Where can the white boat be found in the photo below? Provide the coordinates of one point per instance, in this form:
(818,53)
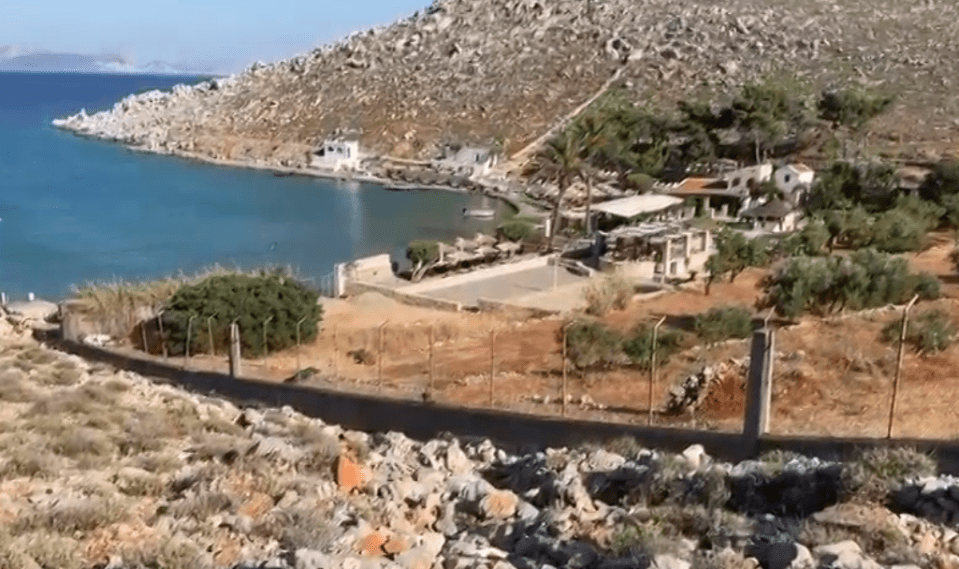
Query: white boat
(483,212)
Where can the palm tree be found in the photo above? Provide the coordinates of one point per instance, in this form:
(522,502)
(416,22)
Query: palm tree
(592,137)
(560,161)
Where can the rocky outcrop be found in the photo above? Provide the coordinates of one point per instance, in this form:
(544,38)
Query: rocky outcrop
(507,70)
(105,468)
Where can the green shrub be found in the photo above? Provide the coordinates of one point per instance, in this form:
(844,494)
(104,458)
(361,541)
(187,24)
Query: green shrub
(516,229)
(724,322)
(931,331)
(423,252)
(591,344)
(865,279)
(251,301)
(639,346)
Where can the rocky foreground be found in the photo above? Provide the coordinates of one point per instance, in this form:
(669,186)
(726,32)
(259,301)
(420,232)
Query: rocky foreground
(103,468)
(486,70)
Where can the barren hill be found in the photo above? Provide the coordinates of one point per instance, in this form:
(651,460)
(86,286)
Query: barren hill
(477,71)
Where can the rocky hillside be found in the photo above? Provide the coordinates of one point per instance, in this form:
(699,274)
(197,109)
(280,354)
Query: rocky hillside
(100,468)
(479,71)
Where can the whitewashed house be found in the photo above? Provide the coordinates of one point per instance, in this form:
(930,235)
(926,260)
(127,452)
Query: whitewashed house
(337,154)
(468,161)
(795,180)
(776,216)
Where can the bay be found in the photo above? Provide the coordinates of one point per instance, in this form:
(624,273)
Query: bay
(76,210)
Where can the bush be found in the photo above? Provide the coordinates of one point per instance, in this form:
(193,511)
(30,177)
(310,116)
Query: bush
(591,344)
(724,322)
(639,346)
(612,292)
(250,300)
(931,331)
(865,279)
(516,230)
(879,470)
(423,252)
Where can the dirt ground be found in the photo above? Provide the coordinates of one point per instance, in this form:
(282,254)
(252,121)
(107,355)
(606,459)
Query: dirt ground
(832,376)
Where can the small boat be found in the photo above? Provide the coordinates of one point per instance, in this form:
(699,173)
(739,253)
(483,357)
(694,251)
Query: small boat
(399,188)
(480,213)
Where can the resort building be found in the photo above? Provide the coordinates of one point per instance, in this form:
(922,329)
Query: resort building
(775,216)
(467,161)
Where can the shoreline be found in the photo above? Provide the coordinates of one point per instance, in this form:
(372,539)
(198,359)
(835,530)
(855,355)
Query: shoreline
(520,208)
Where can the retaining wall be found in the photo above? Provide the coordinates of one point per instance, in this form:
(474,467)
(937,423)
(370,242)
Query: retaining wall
(515,310)
(476,275)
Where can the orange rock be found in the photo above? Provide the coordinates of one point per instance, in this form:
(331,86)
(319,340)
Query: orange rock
(395,544)
(499,504)
(256,506)
(372,544)
(349,475)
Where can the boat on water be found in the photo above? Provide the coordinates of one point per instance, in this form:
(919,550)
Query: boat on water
(396,188)
(482,212)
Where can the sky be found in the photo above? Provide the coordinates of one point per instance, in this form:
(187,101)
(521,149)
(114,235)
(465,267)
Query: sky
(224,35)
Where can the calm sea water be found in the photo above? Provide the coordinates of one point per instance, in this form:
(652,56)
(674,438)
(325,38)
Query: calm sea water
(75,210)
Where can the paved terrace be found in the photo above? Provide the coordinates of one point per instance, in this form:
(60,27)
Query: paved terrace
(503,283)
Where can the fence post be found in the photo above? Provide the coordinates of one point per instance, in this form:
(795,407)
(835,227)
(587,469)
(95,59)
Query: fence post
(902,349)
(759,386)
(298,324)
(265,322)
(209,331)
(379,360)
(336,356)
(143,334)
(429,373)
(565,394)
(234,350)
(189,330)
(162,339)
(492,364)
(652,369)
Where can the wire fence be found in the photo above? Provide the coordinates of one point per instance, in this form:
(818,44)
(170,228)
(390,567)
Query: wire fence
(506,368)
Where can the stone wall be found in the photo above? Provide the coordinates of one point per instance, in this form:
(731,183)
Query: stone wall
(399,295)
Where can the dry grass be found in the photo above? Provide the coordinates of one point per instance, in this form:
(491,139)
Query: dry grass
(14,388)
(168,553)
(613,292)
(42,548)
(201,506)
(69,516)
(297,528)
(118,305)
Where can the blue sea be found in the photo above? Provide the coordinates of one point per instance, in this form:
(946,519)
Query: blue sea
(75,210)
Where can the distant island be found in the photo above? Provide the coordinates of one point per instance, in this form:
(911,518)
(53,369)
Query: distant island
(16,59)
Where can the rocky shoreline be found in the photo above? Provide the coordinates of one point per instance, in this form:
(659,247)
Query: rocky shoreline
(105,468)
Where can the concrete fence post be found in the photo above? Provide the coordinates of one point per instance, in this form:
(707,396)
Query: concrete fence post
(565,392)
(652,368)
(759,386)
(209,331)
(189,333)
(298,324)
(235,350)
(336,356)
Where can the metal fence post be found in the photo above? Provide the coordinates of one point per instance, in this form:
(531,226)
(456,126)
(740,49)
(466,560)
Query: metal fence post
(235,353)
(902,349)
(265,322)
(652,369)
(492,364)
(298,324)
(189,331)
(379,359)
(565,394)
(209,331)
(336,356)
(162,338)
(429,372)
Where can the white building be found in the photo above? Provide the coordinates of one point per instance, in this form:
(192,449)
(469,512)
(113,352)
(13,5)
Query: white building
(469,161)
(337,154)
(794,180)
(743,181)
(776,216)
